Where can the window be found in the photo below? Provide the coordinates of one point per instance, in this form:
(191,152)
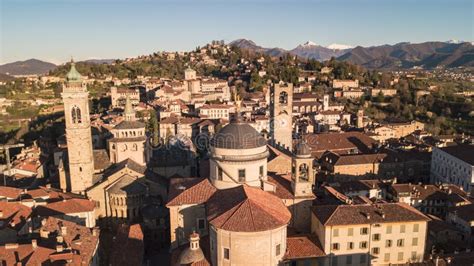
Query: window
(76,115)
(277,250)
(241,175)
(349,260)
(376,237)
(400,256)
(363,259)
(389,229)
(201,224)
(388,243)
(350,245)
(364,231)
(375,251)
(386,257)
(335,246)
(335,232)
(414,242)
(283,99)
(219,173)
(261,170)
(402,229)
(363,244)
(416,228)
(400,243)
(350,231)
(413,255)
(226,253)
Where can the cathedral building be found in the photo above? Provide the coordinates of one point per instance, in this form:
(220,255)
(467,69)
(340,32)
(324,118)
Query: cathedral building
(243,211)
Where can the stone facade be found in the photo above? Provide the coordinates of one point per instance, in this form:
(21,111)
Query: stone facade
(281,111)
(78,134)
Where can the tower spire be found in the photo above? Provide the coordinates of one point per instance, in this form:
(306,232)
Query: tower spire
(73,74)
(129,112)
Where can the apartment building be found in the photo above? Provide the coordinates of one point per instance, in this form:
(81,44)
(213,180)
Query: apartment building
(370,234)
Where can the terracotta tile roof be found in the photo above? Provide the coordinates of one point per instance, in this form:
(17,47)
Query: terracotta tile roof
(246,209)
(129,240)
(367,213)
(14,215)
(353,159)
(10,192)
(81,243)
(463,152)
(449,193)
(303,246)
(282,186)
(189,191)
(465,212)
(340,143)
(65,207)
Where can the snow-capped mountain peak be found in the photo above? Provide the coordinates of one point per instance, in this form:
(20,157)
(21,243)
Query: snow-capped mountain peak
(336,46)
(308,43)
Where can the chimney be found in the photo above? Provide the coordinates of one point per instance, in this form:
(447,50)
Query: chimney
(44,233)
(34,243)
(59,248)
(1,214)
(95,231)
(59,239)
(63,230)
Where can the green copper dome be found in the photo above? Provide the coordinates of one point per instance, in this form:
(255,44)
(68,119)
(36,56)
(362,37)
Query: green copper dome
(73,74)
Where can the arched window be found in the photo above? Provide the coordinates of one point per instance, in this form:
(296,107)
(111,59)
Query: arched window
(76,115)
(303,172)
(283,97)
(135,147)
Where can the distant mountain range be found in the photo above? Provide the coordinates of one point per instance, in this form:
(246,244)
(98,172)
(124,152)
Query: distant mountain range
(38,67)
(28,67)
(401,55)
(428,55)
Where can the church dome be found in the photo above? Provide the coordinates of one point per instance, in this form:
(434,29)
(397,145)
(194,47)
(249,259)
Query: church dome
(73,74)
(238,135)
(302,149)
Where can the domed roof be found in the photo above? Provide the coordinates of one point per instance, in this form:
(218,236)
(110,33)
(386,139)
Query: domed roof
(302,149)
(73,74)
(238,135)
(246,209)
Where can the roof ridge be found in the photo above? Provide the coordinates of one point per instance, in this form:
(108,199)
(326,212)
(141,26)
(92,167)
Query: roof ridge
(332,214)
(237,207)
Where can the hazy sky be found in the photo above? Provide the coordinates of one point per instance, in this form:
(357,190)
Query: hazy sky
(55,30)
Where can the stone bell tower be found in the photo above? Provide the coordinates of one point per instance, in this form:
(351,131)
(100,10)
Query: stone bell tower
(281,112)
(302,173)
(78,134)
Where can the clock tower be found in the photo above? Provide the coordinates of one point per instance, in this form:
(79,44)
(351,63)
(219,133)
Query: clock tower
(281,111)
(78,134)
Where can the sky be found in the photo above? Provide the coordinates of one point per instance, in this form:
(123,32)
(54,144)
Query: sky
(56,30)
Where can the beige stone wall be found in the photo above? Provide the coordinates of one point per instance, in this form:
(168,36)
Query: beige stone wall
(356,169)
(230,168)
(79,139)
(184,220)
(247,248)
(413,241)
